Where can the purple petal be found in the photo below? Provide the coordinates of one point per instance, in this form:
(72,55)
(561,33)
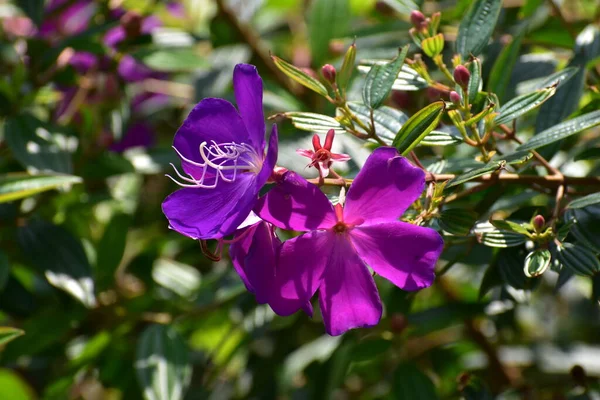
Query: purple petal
(295,204)
(211,213)
(386,186)
(114,36)
(254,259)
(404,254)
(270,159)
(147,103)
(348,295)
(176,9)
(248,88)
(239,250)
(139,134)
(83,61)
(76,18)
(301,264)
(211,119)
(150,23)
(132,70)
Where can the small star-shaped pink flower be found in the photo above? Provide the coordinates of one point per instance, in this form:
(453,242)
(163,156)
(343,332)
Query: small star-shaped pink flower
(322,157)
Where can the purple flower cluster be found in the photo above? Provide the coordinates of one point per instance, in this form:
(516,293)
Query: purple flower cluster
(225,165)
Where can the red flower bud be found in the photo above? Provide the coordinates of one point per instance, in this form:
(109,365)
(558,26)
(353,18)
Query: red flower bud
(417,18)
(454,97)
(328,72)
(462,75)
(538,223)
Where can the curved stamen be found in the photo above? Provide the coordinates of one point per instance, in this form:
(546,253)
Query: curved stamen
(221,161)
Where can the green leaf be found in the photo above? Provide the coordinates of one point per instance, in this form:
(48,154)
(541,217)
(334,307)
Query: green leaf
(369,349)
(475,173)
(474,389)
(8,333)
(171,60)
(37,145)
(60,257)
(510,268)
(588,154)
(18,185)
(300,76)
(442,138)
(510,226)
(557,79)
(523,104)
(578,259)
(4,271)
(411,384)
(313,122)
(327,19)
(562,131)
(380,79)
(111,249)
(407,80)
(475,81)
(503,66)
(457,221)
(477,26)
(388,121)
(418,127)
(491,236)
(585,225)
(537,262)
(13,387)
(588,200)
(181,279)
(162,364)
(345,72)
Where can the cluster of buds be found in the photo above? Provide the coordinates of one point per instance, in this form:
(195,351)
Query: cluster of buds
(424,32)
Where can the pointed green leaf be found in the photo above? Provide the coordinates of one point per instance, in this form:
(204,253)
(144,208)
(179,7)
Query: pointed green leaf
(477,26)
(510,267)
(18,185)
(327,19)
(388,121)
(171,59)
(475,81)
(491,236)
(345,72)
(407,80)
(523,104)
(578,259)
(380,79)
(537,262)
(457,221)
(60,257)
(509,226)
(585,225)
(111,249)
(313,122)
(418,127)
(162,364)
(8,333)
(503,66)
(562,131)
(475,173)
(588,200)
(411,384)
(442,138)
(300,76)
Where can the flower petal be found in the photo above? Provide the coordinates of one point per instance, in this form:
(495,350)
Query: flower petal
(211,213)
(386,186)
(132,70)
(348,295)
(295,204)
(403,253)
(248,88)
(270,159)
(300,267)
(254,258)
(211,119)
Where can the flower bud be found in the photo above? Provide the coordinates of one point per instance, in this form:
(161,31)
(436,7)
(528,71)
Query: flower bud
(132,24)
(538,223)
(417,18)
(455,97)
(462,75)
(329,73)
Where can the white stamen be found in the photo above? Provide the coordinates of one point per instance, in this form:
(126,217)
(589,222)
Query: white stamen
(224,161)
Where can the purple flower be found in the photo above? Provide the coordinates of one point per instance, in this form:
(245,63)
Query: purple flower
(67,20)
(222,154)
(332,257)
(138,134)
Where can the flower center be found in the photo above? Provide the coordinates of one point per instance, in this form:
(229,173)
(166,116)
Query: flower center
(341,226)
(220,162)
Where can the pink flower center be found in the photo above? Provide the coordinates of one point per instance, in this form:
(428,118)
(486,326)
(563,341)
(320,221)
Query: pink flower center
(342,226)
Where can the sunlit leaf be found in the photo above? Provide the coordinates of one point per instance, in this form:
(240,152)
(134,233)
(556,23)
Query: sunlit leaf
(300,76)
(477,27)
(16,186)
(418,127)
(585,201)
(523,104)
(457,221)
(537,262)
(327,19)
(380,79)
(8,333)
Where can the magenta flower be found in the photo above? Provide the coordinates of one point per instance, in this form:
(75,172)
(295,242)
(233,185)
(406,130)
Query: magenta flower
(223,158)
(322,157)
(332,258)
(67,18)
